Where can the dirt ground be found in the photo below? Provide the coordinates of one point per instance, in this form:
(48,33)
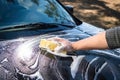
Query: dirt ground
(101,13)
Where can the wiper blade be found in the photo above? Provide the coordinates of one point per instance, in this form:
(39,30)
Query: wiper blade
(34,26)
(21,27)
(24,27)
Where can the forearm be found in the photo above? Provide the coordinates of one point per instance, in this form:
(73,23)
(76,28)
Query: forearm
(104,40)
(94,42)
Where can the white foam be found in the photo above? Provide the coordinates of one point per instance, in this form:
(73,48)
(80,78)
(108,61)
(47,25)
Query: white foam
(75,65)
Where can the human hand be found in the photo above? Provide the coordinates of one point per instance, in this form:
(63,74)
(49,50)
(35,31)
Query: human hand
(66,45)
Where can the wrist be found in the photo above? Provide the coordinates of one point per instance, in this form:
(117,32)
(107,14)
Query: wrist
(79,45)
(73,46)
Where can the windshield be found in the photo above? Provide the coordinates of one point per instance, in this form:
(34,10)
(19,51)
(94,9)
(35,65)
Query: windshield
(22,12)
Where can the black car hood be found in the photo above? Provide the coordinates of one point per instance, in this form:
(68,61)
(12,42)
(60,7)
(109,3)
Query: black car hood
(22,59)
(26,58)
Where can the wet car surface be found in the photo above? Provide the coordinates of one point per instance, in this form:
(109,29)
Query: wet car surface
(22,59)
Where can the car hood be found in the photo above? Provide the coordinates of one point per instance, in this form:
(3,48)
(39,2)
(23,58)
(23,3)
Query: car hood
(22,57)
(26,57)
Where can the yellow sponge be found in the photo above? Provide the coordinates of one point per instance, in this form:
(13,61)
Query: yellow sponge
(49,44)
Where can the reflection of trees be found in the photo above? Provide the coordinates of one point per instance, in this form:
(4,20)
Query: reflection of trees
(51,10)
(54,11)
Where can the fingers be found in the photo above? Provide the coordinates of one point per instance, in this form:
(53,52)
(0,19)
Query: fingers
(65,45)
(57,39)
(59,49)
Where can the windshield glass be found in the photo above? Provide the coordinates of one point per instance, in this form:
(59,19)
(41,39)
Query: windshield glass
(22,12)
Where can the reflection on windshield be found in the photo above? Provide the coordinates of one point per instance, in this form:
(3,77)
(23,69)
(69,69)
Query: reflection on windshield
(55,13)
(17,12)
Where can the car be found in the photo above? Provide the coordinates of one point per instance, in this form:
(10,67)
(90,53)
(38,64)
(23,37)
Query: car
(23,23)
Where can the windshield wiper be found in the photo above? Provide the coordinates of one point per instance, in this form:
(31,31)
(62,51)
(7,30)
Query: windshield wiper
(34,26)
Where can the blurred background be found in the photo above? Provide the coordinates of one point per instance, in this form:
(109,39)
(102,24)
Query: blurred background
(101,13)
